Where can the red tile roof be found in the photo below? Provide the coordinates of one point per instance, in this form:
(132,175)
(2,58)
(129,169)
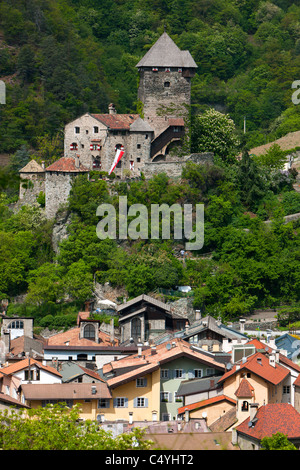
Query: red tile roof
(117,121)
(148,362)
(65,391)
(245,389)
(282,358)
(66,164)
(71,338)
(273,418)
(204,403)
(259,364)
(24,364)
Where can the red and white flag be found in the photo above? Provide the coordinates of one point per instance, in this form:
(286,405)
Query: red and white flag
(119,154)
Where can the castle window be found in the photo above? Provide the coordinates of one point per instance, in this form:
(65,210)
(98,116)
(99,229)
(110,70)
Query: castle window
(74,146)
(138,159)
(77,130)
(86,131)
(167,84)
(138,146)
(89,332)
(96,129)
(97,163)
(167,70)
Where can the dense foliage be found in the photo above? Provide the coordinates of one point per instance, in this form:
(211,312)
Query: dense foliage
(61,58)
(56,427)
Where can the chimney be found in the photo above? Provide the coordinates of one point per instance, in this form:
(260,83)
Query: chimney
(139,345)
(186,327)
(153,350)
(197,315)
(242,325)
(112,109)
(77,162)
(112,331)
(43,165)
(253,410)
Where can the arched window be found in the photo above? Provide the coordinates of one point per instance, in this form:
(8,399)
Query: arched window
(17,324)
(245,406)
(89,332)
(136,328)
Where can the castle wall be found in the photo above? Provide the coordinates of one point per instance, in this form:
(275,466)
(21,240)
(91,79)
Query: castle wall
(30,187)
(164,95)
(57,189)
(174,168)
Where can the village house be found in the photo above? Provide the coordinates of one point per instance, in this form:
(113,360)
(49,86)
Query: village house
(144,318)
(265,421)
(145,386)
(90,397)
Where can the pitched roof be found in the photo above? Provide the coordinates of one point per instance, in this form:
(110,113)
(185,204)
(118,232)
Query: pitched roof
(24,364)
(65,391)
(259,364)
(165,53)
(32,167)
(151,360)
(273,418)
(66,164)
(204,403)
(245,389)
(146,298)
(117,121)
(72,338)
(139,125)
(70,371)
(282,358)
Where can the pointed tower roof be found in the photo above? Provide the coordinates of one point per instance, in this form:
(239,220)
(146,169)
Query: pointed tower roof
(32,167)
(165,53)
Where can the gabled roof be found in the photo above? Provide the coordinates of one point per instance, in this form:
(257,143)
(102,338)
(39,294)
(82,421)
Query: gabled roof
(204,403)
(32,167)
(146,298)
(210,323)
(165,53)
(65,391)
(151,360)
(24,364)
(273,418)
(282,358)
(67,165)
(203,384)
(117,121)
(71,338)
(70,371)
(245,389)
(259,364)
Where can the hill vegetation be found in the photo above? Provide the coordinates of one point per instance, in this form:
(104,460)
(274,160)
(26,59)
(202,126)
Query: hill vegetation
(61,58)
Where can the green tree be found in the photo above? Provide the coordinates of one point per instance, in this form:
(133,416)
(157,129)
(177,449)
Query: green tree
(56,427)
(278,441)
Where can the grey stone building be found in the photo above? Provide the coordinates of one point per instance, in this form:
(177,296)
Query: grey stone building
(32,182)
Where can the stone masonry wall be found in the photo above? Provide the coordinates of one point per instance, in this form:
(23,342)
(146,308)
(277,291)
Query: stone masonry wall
(174,168)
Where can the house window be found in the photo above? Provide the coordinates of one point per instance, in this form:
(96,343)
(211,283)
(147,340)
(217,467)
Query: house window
(210,371)
(77,130)
(165,417)
(286,389)
(103,403)
(96,129)
(178,374)
(136,328)
(89,332)
(166,397)
(18,324)
(164,373)
(198,373)
(32,374)
(245,406)
(140,402)
(120,402)
(141,382)
(178,398)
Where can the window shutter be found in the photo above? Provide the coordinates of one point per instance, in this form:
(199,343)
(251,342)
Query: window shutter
(126,402)
(191,374)
(134,403)
(115,402)
(170,397)
(145,382)
(183,374)
(146,403)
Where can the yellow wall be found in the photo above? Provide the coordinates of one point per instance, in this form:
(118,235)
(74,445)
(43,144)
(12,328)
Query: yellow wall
(88,410)
(213,412)
(131,391)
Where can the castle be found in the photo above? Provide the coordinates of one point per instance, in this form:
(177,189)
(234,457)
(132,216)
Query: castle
(92,140)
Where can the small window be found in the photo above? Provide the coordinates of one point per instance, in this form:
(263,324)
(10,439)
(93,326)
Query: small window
(198,373)
(164,373)
(120,402)
(138,146)
(86,131)
(166,397)
(167,84)
(286,389)
(77,130)
(245,406)
(178,374)
(103,403)
(140,402)
(96,129)
(141,382)
(138,159)
(210,371)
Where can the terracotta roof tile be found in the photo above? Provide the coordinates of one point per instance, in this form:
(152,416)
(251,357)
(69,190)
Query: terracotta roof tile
(23,364)
(66,164)
(245,389)
(71,338)
(117,121)
(273,418)
(65,391)
(258,363)
(204,403)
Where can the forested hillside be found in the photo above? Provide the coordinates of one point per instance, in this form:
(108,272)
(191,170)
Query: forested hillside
(61,58)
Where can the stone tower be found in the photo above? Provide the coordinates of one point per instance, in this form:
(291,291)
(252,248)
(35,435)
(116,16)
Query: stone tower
(165,83)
